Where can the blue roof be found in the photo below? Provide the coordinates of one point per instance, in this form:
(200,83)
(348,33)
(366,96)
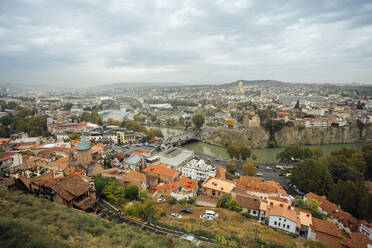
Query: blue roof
(83,145)
(134,159)
(6,165)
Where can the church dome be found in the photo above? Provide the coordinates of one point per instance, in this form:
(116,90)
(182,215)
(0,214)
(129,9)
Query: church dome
(83,145)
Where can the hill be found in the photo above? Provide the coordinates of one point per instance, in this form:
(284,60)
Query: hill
(26,221)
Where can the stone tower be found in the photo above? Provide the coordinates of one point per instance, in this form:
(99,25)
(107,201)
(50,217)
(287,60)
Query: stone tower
(84,157)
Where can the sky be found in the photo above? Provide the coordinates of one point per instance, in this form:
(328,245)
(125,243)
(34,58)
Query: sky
(82,43)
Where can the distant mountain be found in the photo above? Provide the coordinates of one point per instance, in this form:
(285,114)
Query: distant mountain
(139,84)
(253,82)
(19,88)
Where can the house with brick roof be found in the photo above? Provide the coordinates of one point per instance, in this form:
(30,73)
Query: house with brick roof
(280,214)
(184,188)
(216,187)
(255,186)
(75,191)
(159,173)
(340,217)
(327,232)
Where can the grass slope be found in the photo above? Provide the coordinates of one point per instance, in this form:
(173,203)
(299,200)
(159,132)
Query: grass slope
(26,221)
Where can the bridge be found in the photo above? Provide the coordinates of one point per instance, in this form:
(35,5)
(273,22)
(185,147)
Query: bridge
(179,139)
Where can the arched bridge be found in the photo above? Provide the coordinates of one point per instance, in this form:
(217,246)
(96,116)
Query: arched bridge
(180,139)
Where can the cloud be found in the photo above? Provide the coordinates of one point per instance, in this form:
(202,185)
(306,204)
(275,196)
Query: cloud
(85,42)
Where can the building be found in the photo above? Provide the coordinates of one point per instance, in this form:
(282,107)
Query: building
(342,219)
(10,159)
(255,186)
(135,162)
(250,204)
(214,187)
(316,122)
(184,188)
(175,157)
(159,173)
(127,178)
(281,215)
(126,137)
(84,156)
(198,170)
(326,232)
(251,122)
(365,228)
(74,191)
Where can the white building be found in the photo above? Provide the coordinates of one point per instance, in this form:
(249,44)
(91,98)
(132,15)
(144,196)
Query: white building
(198,170)
(316,122)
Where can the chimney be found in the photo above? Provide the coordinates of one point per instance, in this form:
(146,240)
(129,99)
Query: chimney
(281,205)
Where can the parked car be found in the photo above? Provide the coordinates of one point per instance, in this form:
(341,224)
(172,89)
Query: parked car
(268,168)
(160,200)
(206,217)
(175,215)
(191,238)
(211,213)
(186,211)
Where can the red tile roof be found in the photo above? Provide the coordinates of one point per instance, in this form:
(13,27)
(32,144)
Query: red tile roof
(160,169)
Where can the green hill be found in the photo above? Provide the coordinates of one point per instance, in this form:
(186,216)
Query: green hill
(26,221)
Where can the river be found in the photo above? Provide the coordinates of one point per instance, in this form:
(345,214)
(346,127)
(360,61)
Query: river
(264,155)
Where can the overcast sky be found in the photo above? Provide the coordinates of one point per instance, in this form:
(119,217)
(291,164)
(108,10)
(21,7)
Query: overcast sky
(90,42)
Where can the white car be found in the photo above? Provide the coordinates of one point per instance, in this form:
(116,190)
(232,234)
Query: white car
(211,213)
(175,215)
(160,200)
(206,217)
(191,238)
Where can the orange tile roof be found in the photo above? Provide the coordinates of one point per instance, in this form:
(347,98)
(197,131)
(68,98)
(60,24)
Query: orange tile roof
(4,140)
(160,169)
(326,227)
(335,211)
(136,175)
(219,184)
(184,182)
(6,155)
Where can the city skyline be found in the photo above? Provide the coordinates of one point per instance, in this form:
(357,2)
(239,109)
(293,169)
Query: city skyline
(88,43)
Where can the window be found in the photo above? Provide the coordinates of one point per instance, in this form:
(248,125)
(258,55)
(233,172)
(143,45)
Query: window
(213,192)
(285,220)
(274,223)
(279,224)
(287,226)
(254,212)
(280,218)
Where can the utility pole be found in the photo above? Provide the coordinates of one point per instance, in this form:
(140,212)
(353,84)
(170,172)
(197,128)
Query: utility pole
(81,235)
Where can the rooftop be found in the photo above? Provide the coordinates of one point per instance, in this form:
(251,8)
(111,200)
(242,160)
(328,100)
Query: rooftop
(83,145)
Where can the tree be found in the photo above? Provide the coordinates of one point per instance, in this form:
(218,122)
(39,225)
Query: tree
(245,153)
(311,175)
(297,106)
(233,151)
(349,195)
(249,169)
(100,184)
(347,164)
(67,106)
(74,136)
(131,192)
(85,116)
(254,157)
(294,152)
(153,118)
(181,120)
(226,201)
(367,154)
(318,152)
(114,192)
(198,120)
(232,168)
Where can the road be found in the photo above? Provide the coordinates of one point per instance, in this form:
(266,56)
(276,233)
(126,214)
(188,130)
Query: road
(112,213)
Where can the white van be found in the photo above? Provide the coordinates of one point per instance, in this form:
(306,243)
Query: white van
(211,213)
